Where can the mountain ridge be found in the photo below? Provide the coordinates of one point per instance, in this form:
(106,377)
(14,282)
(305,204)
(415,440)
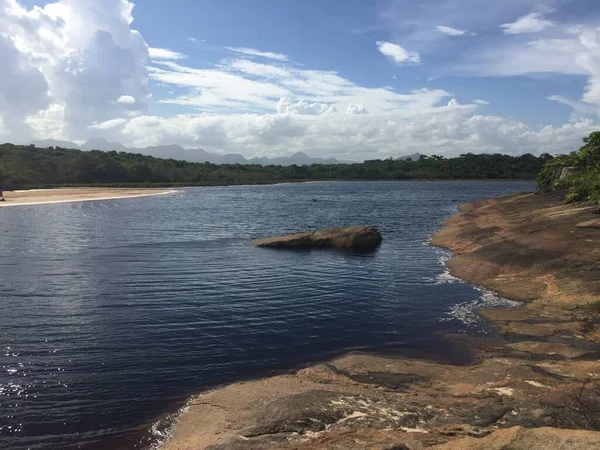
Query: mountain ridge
(174,151)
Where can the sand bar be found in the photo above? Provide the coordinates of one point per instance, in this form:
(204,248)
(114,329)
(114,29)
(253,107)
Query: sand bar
(65,195)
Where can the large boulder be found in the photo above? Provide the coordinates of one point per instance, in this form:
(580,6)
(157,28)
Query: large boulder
(352,238)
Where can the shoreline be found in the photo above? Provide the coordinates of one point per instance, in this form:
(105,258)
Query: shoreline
(258,183)
(71,195)
(545,351)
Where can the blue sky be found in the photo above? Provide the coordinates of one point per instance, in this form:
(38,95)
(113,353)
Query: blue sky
(354,79)
(341,36)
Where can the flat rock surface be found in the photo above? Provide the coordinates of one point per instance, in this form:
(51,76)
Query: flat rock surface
(352,238)
(536,386)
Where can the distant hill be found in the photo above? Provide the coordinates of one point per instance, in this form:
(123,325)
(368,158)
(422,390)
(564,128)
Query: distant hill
(413,157)
(191,155)
(104,145)
(45,143)
(29,166)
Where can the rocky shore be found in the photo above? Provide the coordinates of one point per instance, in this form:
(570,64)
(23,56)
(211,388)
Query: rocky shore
(534,386)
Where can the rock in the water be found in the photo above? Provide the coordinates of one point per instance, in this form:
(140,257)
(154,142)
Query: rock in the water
(353,238)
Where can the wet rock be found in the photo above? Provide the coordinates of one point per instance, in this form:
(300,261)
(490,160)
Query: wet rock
(352,238)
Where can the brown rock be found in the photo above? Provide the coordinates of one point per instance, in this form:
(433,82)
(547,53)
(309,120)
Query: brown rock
(519,438)
(594,223)
(527,247)
(354,238)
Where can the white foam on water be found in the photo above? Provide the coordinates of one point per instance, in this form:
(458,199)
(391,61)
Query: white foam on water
(445,277)
(466,312)
(163,429)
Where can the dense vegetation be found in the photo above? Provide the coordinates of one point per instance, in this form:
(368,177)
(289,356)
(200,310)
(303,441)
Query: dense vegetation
(578,172)
(28,166)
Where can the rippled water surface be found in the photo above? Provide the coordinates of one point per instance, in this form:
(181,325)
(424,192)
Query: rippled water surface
(113,312)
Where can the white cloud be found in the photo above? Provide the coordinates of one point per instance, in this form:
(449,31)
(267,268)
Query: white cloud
(216,89)
(441,130)
(480,101)
(286,105)
(580,109)
(126,99)
(191,39)
(71,69)
(71,56)
(163,53)
(590,61)
(242,85)
(23,89)
(544,55)
(530,23)
(453,31)
(263,70)
(397,53)
(570,51)
(356,108)
(108,124)
(261,54)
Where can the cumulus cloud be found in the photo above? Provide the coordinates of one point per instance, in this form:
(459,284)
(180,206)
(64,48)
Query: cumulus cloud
(164,53)
(287,105)
(398,54)
(72,56)
(590,61)
(441,130)
(356,108)
(529,23)
(258,53)
(453,31)
(126,99)
(23,89)
(76,69)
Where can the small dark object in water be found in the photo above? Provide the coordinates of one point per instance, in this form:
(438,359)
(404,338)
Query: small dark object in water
(315,200)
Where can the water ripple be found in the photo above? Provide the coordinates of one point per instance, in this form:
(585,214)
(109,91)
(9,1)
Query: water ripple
(114,312)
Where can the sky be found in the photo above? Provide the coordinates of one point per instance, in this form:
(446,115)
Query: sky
(351,79)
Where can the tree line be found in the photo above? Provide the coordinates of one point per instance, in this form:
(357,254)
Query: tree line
(29,166)
(582,179)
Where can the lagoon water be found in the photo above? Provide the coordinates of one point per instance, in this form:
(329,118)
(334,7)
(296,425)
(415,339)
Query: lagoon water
(113,312)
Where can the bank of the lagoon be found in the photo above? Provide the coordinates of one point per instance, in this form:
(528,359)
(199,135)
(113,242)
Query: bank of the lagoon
(541,370)
(138,304)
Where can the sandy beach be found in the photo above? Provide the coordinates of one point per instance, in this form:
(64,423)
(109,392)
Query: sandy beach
(535,384)
(65,195)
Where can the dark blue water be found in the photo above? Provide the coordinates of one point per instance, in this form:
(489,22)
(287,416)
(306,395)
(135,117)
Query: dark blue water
(113,312)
